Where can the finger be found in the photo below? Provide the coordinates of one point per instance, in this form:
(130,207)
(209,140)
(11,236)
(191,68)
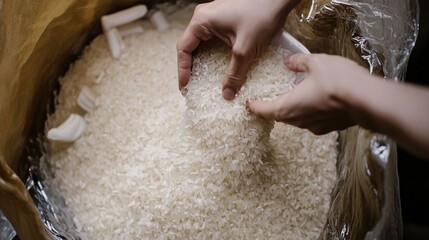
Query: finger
(297,62)
(266,109)
(190,40)
(236,76)
(327,122)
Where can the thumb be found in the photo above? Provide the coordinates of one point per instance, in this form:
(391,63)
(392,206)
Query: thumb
(236,76)
(270,110)
(298,62)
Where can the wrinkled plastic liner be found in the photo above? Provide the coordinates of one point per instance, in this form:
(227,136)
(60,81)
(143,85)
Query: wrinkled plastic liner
(58,223)
(381,35)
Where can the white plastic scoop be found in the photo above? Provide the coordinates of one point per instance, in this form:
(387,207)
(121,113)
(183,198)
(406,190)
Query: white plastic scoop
(290,43)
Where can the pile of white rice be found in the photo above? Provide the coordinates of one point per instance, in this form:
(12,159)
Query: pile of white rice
(149,166)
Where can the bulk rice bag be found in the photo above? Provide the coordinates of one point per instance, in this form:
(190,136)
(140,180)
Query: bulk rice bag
(39,39)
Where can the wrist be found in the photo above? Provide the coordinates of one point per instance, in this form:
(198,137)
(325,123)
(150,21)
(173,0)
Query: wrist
(357,103)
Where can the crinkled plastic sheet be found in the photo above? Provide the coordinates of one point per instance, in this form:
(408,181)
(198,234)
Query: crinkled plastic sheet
(380,35)
(390,27)
(6,229)
(56,216)
(365,202)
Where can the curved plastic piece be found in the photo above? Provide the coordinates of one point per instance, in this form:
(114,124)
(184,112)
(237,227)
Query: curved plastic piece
(122,17)
(159,21)
(131,28)
(114,40)
(70,130)
(290,43)
(86,99)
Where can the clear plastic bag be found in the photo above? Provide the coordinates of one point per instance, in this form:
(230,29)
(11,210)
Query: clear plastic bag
(380,36)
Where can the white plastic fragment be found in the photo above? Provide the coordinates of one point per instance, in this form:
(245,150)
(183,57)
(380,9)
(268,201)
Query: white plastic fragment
(115,42)
(77,224)
(122,17)
(135,27)
(99,78)
(159,21)
(86,99)
(70,130)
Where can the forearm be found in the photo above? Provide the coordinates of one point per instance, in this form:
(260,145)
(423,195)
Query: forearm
(398,110)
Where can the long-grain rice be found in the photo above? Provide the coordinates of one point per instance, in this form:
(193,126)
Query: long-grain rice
(150,166)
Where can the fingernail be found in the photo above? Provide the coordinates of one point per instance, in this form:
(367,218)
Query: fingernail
(286,57)
(184,91)
(228,94)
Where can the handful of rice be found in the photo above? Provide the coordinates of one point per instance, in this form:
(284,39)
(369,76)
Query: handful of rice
(225,131)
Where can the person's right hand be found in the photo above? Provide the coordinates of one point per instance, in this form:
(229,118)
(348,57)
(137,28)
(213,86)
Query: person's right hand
(246,26)
(321,102)
(337,93)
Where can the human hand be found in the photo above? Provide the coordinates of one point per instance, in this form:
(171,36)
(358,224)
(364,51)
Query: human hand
(321,102)
(247,27)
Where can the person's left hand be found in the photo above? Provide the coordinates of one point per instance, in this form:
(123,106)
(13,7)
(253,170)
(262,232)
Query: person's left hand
(247,27)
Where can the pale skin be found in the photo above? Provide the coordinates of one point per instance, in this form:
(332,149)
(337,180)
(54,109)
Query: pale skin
(247,27)
(336,92)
